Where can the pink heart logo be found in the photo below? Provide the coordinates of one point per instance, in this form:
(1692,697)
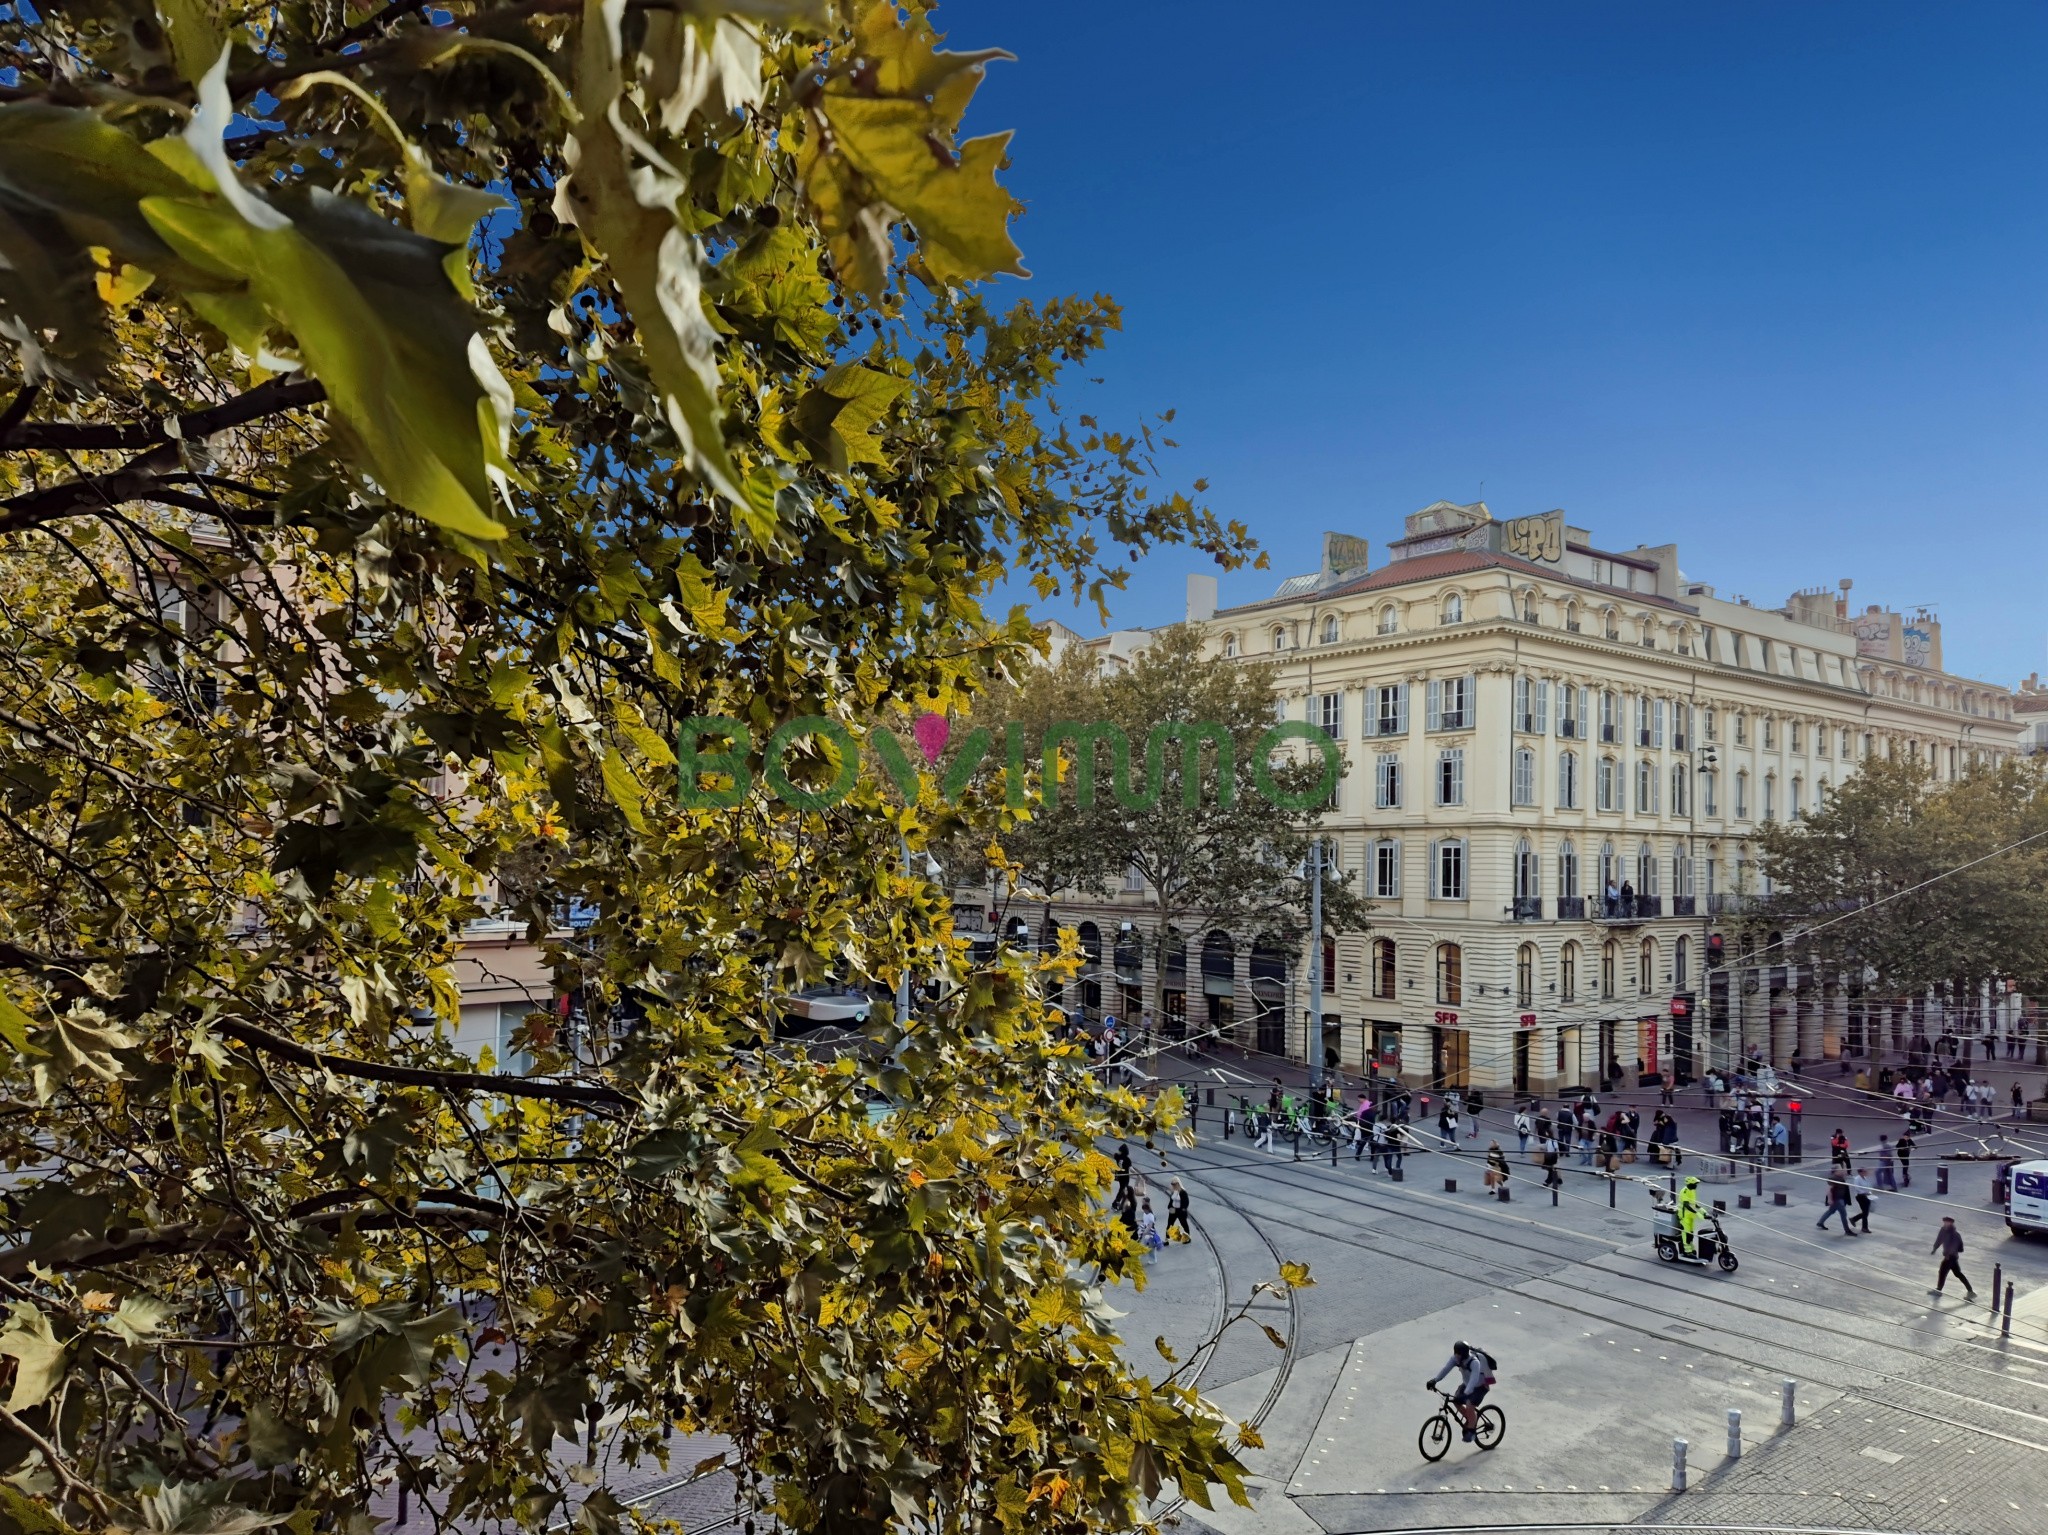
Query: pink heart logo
(931,731)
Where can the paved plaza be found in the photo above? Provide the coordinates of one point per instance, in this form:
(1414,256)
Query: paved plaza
(1912,1414)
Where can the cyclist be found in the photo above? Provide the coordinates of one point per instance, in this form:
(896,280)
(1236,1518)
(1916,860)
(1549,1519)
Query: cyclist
(1475,1377)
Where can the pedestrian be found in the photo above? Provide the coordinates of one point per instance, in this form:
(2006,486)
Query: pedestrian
(1838,1149)
(1552,1179)
(1886,1178)
(1123,1167)
(1397,1147)
(1838,1204)
(1628,898)
(1475,1105)
(1361,1129)
(1781,1140)
(1148,1229)
(1379,1144)
(1177,1212)
(1610,1152)
(1864,1194)
(1447,1126)
(1949,1243)
(2019,1102)
(1905,1149)
(1267,1121)
(1496,1170)
(1125,1207)
(1631,1125)
(1543,1125)
(1585,1143)
(1523,1125)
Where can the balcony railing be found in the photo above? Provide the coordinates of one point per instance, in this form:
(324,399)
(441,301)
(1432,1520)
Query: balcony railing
(1630,909)
(1571,908)
(1528,908)
(1727,904)
(1684,906)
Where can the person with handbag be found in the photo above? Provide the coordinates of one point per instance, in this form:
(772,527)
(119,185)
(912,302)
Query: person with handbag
(1496,1170)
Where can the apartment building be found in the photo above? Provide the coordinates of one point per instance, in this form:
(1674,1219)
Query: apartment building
(1559,756)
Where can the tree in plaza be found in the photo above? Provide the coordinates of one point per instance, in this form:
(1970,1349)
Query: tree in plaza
(1923,882)
(1159,773)
(417,417)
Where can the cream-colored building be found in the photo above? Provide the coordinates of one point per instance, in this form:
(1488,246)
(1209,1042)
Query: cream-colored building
(1559,754)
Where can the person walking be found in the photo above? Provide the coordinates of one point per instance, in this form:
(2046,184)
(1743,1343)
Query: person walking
(1585,1142)
(1267,1122)
(1887,1179)
(1552,1178)
(1837,1205)
(2019,1102)
(1631,1127)
(1362,1129)
(1123,1168)
(1148,1229)
(1949,1243)
(1864,1194)
(1177,1212)
(1905,1150)
(1379,1144)
(1523,1127)
(1543,1125)
(1397,1147)
(1496,1170)
(1838,1149)
(1447,1126)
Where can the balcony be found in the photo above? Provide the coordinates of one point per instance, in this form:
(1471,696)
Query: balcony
(1571,908)
(1684,906)
(1528,908)
(1727,904)
(1629,911)
(1568,730)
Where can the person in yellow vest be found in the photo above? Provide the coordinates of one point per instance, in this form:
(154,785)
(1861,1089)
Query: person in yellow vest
(1689,1214)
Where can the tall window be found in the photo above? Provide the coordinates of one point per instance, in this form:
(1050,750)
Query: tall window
(1681,725)
(1568,973)
(1329,714)
(1571,617)
(1450,973)
(1526,883)
(1845,743)
(1610,717)
(1708,803)
(1646,870)
(1229,647)
(1450,871)
(1390,709)
(1567,870)
(1610,870)
(1706,724)
(1610,624)
(1608,789)
(1571,712)
(1525,975)
(1764,651)
(1607,969)
(1279,637)
(1770,727)
(1643,720)
(1793,806)
(1532,705)
(1646,787)
(1450,703)
(1390,619)
(1567,780)
(1741,795)
(1742,730)
(1681,870)
(1386,870)
(1383,970)
(1681,963)
(1681,802)
(1770,796)
(1329,628)
(1524,787)
(1528,607)
(1454,609)
(1386,781)
(1450,776)
(1797,735)
(1646,966)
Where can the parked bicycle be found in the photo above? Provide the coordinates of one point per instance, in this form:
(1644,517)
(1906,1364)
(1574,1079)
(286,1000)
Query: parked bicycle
(1439,1431)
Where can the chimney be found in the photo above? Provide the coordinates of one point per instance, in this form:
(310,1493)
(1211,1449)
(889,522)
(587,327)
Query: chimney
(1201,599)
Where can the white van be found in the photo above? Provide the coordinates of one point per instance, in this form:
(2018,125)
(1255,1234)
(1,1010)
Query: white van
(2026,1205)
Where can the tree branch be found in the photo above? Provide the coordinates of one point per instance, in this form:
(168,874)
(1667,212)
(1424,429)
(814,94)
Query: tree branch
(588,1095)
(267,399)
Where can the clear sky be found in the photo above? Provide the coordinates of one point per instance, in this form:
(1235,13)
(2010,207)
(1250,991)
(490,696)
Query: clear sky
(1766,280)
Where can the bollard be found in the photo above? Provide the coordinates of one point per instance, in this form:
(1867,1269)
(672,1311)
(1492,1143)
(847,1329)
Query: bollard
(1297,1143)
(1777,1196)
(1735,1433)
(1226,1124)
(1450,1185)
(1504,1193)
(1399,1176)
(1997,1277)
(2005,1326)
(1742,1201)
(1941,1180)
(1786,1391)
(1610,1193)
(1333,1151)
(1720,1207)
(1210,1094)
(1678,1465)
(1553,1199)
(1759,1180)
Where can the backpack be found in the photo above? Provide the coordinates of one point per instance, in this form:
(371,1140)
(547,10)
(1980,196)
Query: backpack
(1492,1367)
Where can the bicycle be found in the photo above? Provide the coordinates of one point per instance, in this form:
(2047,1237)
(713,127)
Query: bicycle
(1445,1425)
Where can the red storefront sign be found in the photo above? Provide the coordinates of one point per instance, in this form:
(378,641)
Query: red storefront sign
(1649,1026)
(1527,1020)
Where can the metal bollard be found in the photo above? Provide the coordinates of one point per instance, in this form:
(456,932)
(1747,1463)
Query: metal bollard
(1786,1391)
(1997,1278)
(1226,1123)
(1941,1180)
(1504,1193)
(1735,1433)
(1450,1185)
(1553,1199)
(1678,1465)
(1777,1196)
(1210,1094)
(1610,1192)
(1742,1201)
(2005,1326)
(1759,1180)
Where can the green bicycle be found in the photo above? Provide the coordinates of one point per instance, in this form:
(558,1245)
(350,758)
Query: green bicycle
(1444,1426)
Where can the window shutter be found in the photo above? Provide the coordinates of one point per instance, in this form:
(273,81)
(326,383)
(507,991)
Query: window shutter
(1522,706)
(1434,705)
(1542,707)
(1401,709)
(1659,727)
(1471,699)
(1457,778)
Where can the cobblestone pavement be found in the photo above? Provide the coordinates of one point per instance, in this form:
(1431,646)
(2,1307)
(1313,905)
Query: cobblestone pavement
(1914,1414)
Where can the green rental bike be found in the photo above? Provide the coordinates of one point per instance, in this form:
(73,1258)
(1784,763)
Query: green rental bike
(1444,1426)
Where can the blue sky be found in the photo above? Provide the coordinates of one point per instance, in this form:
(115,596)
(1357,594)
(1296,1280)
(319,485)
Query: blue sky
(1770,281)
